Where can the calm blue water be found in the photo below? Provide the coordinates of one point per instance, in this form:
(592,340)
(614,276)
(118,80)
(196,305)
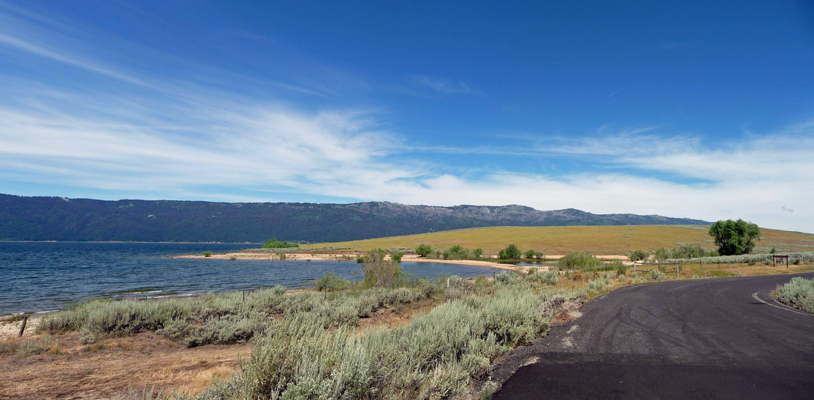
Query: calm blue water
(46,276)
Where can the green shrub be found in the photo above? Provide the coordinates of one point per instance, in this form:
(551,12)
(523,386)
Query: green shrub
(298,358)
(227,330)
(689,251)
(274,244)
(638,255)
(456,253)
(477,252)
(579,260)
(662,254)
(506,277)
(596,285)
(423,250)
(530,254)
(330,282)
(177,329)
(34,346)
(549,277)
(657,275)
(798,293)
(207,254)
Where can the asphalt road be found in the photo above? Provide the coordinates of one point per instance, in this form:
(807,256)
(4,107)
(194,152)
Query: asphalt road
(691,339)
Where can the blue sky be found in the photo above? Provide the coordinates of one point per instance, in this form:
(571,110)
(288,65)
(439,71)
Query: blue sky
(694,109)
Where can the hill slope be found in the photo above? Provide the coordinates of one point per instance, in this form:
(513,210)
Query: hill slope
(55,218)
(595,239)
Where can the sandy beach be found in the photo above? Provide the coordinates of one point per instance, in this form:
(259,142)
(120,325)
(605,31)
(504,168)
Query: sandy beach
(349,256)
(352,255)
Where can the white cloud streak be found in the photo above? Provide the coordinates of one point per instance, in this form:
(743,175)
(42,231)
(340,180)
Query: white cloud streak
(445,86)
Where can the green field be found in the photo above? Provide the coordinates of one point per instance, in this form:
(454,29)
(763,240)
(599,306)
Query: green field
(563,240)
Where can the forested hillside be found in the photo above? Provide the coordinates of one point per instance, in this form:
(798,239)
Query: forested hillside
(62,219)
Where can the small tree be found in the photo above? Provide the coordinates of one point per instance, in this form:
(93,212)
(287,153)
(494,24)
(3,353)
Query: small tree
(477,252)
(530,254)
(379,272)
(734,237)
(423,250)
(511,252)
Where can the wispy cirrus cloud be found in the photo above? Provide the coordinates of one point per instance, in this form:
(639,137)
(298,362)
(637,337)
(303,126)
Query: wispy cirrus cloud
(444,86)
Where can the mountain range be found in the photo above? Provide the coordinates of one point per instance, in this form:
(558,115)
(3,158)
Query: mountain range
(64,219)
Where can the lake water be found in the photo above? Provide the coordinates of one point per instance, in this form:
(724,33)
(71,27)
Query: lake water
(36,276)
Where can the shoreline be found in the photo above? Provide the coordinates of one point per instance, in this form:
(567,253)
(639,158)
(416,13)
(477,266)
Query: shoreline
(472,263)
(352,255)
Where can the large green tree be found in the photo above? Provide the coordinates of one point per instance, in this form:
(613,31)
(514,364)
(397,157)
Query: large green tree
(734,237)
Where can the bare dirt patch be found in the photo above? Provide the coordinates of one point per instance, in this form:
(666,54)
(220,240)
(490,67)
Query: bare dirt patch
(105,369)
(394,318)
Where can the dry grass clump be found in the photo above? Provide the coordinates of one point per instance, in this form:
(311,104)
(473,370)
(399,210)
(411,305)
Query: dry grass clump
(28,347)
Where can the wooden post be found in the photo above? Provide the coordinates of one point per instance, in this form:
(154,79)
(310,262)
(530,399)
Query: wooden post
(677,266)
(22,328)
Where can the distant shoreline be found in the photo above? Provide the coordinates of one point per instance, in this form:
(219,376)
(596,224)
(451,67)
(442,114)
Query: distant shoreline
(123,242)
(348,256)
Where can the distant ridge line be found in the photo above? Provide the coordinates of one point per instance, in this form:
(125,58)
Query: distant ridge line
(64,219)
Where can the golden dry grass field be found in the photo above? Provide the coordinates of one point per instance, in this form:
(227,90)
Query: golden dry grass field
(565,239)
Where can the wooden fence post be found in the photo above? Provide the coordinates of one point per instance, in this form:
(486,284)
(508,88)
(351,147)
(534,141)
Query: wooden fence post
(22,328)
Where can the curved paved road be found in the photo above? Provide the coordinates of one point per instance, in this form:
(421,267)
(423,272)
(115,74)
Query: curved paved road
(693,339)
